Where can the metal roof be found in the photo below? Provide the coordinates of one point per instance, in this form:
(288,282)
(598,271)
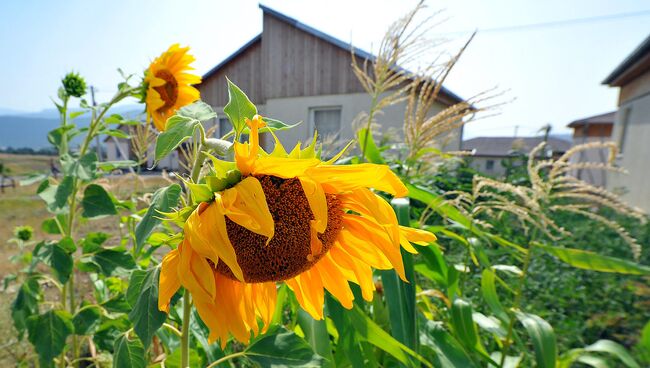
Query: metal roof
(606,118)
(503,146)
(636,55)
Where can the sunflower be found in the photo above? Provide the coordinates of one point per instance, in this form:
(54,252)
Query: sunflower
(291,218)
(169,87)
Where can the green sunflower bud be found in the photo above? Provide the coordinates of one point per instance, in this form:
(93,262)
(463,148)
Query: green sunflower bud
(74,85)
(23,233)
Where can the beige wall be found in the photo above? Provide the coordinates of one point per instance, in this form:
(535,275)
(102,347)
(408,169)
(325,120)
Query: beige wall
(635,156)
(298,109)
(480,164)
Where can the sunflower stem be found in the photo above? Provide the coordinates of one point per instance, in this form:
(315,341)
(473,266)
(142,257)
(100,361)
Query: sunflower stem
(226,358)
(185,332)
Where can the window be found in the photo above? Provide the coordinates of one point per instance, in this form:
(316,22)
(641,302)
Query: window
(625,121)
(489,165)
(224,126)
(326,120)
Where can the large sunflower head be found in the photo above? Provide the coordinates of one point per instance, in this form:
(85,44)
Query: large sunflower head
(291,218)
(169,86)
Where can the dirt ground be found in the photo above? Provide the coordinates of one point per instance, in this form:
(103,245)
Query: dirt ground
(21,206)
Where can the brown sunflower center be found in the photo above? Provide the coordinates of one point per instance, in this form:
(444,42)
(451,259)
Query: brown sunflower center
(287,254)
(168,91)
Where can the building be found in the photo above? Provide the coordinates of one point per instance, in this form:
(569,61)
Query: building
(597,128)
(488,153)
(295,73)
(632,124)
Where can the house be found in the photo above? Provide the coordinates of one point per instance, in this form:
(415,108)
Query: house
(488,153)
(597,128)
(632,124)
(295,73)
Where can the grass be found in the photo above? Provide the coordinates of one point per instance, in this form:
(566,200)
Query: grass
(21,206)
(20,165)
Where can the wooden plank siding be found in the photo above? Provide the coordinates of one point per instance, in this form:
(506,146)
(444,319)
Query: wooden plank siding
(245,71)
(286,62)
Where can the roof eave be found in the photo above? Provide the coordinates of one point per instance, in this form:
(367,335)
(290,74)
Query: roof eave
(232,56)
(629,61)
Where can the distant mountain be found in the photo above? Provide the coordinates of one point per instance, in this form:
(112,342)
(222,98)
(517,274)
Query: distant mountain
(29,130)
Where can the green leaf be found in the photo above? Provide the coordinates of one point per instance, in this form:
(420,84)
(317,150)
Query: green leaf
(448,352)
(56,196)
(595,262)
(83,168)
(48,332)
(117,133)
(97,202)
(178,130)
(369,331)
(368,146)
(200,192)
(174,359)
(112,165)
(164,199)
(542,337)
(128,353)
(58,259)
(615,349)
(111,259)
(463,323)
(146,316)
(87,319)
(239,107)
(399,295)
(135,285)
(439,204)
(281,350)
(68,244)
(272,125)
(489,291)
(93,242)
(317,336)
(198,110)
(26,304)
(50,226)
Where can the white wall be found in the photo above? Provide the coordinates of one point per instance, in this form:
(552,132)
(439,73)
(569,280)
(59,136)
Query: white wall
(297,109)
(636,152)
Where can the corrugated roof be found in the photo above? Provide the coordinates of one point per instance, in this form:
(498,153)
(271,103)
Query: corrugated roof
(606,118)
(630,60)
(318,34)
(503,146)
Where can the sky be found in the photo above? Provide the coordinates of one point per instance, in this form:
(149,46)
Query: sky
(549,74)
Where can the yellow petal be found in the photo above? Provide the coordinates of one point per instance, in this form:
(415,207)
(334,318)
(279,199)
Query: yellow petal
(346,178)
(369,230)
(308,288)
(318,205)
(283,167)
(196,274)
(169,281)
(334,281)
(206,230)
(362,272)
(245,204)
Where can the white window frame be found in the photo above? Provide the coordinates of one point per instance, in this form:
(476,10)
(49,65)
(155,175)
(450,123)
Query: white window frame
(312,117)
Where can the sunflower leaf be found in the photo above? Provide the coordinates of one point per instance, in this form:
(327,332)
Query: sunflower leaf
(146,316)
(164,199)
(178,130)
(239,107)
(283,349)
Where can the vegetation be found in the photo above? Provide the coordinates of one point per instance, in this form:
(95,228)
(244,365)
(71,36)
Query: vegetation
(538,270)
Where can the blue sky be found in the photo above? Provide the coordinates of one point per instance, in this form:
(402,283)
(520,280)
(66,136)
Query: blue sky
(552,74)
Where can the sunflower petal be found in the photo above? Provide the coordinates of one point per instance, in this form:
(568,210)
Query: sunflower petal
(334,281)
(245,204)
(344,178)
(308,288)
(206,230)
(169,282)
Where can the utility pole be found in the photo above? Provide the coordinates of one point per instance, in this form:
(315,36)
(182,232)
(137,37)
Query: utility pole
(516,130)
